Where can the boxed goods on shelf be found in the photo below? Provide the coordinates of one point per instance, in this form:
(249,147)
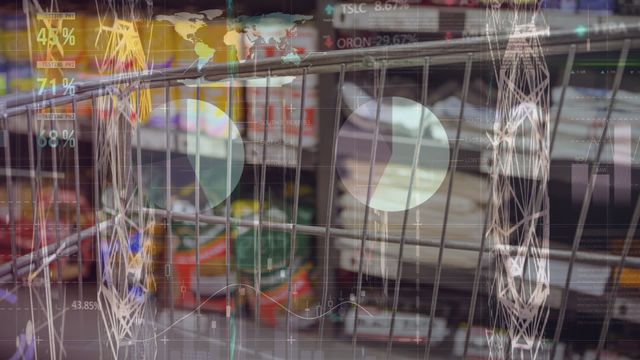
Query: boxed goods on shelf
(275,244)
(212,266)
(274,292)
(15,38)
(274,261)
(156,251)
(91,29)
(159,38)
(285,94)
(283,114)
(629,277)
(408,327)
(30,237)
(182,241)
(479,347)
(15,51)
(628,7)
(160,41)
(608,355)
(4,77)
(465,223)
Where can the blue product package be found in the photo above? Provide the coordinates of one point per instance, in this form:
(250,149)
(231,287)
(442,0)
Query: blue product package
(568,5)
(600,6)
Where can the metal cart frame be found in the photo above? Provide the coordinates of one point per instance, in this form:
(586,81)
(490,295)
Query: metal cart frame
(15,108)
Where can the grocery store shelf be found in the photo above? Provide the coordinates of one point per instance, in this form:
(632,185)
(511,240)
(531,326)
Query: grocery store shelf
(460,278)
(478,156)
(403,146)
(278,154)
(153,139)
(469,21)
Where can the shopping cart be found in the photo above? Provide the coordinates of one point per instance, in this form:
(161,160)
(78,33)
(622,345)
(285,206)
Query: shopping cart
(18,111)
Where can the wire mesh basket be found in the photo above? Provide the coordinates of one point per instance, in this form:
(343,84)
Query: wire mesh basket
(27,114)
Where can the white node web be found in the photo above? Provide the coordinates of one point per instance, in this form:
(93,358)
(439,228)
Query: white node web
(519,207)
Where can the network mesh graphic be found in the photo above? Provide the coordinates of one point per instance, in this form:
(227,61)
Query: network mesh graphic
(519,207)
(125,252)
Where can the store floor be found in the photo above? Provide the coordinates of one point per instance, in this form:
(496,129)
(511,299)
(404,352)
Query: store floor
(187,336)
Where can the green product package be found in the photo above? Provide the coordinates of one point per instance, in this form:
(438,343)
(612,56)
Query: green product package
(275,245)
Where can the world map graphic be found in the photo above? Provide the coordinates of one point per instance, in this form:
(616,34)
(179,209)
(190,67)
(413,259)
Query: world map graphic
(249,35)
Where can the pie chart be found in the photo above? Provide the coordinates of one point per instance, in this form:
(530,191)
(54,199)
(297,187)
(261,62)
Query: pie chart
(211,141)
(214,133)
(399,131)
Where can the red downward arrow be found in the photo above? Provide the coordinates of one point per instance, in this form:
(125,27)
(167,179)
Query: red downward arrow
(328,42)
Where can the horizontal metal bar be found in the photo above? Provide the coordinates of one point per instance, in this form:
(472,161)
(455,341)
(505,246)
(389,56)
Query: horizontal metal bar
(362,57)
(27,268)
(585,257)
(16,172)
(408,61)
(38,255)
(411,60)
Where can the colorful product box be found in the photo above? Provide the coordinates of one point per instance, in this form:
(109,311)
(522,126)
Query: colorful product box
(275,245)
(48,232)
(4,78)
(212,266)
(159,43)
(283,115)
(215,95)
(15,50)
(158,40)
(285,97)
(15,38)
(20,77)
(274,296)
(94,55)
(479,347)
